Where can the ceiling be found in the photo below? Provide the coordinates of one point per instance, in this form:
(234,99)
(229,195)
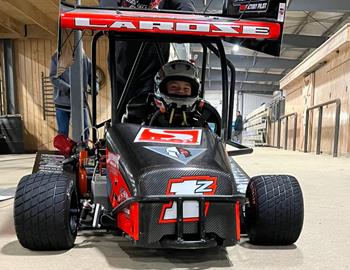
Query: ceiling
(308,24)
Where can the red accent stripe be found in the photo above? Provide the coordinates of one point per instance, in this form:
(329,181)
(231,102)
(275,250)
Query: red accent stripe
(238,222)
(243,7)
(134,214)
(127,222)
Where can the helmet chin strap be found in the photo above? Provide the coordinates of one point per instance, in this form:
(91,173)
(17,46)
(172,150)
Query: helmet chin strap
(172,116)
(185,119)
(172,109)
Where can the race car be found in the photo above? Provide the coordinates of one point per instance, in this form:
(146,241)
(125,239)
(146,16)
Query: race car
(161,187)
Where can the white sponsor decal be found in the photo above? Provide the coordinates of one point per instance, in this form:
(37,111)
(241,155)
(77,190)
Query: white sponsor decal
(188,185)
(264,31)
(121,25)
(254,7)
(170,136)
(86,22)
(190,208)
(157,25)
(281,12)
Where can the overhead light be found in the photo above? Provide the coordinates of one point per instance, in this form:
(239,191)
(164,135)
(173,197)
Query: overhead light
(235,48)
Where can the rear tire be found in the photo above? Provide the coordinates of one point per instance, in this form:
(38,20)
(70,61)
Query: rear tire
(46,212)
(275,213)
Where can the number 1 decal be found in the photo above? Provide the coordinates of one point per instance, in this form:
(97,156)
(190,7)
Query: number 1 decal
(187,185)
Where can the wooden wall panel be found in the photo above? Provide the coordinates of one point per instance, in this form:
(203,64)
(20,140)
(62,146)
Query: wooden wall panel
(294,104)
(49,47)
(32,57)
(2,83)
(307,101)
(328,82)
(332,82)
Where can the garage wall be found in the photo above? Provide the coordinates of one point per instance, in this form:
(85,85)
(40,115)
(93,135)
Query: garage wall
(32,57)
(327,83)
(2,83)
(323,85)
(331,82)
(214,97)
(328,79)
(252,102)
(296,99)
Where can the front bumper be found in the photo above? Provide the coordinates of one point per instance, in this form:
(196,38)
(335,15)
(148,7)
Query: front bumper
(225,231)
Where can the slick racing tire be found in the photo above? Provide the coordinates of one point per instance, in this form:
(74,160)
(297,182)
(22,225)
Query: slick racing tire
(275,213)
(46,212)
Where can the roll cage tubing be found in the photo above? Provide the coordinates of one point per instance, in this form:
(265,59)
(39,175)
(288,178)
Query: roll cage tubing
(227,94)
(205,42)
(140,23)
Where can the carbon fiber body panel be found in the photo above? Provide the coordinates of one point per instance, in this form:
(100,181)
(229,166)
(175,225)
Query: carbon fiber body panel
(148,173)
(220,223)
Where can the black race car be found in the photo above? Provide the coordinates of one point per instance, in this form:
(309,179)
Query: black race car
(162,187)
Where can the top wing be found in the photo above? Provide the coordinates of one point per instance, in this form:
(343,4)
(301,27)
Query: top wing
(261,10)
(166,23)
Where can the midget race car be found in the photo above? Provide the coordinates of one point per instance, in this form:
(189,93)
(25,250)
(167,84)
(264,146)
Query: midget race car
(161,187)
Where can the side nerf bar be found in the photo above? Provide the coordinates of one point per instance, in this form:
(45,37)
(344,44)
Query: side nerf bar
(241,149)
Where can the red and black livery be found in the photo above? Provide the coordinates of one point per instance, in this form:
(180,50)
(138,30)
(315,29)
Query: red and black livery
(146,177)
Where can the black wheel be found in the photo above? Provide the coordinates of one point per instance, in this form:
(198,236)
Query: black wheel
(46,212)
(275,213)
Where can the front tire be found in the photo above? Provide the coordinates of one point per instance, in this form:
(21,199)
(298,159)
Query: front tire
(46,212)
(275,213)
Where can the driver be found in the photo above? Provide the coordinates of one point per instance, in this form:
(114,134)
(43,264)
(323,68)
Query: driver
(177,98)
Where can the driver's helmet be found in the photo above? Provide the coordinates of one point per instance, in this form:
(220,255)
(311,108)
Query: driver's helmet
(175,71)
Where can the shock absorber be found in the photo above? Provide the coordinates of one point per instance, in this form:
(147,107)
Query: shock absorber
(86,209)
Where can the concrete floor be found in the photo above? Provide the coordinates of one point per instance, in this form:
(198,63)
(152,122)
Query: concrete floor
(324,242)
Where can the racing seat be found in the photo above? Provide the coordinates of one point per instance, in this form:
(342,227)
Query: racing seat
(209,116)
(139,109)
